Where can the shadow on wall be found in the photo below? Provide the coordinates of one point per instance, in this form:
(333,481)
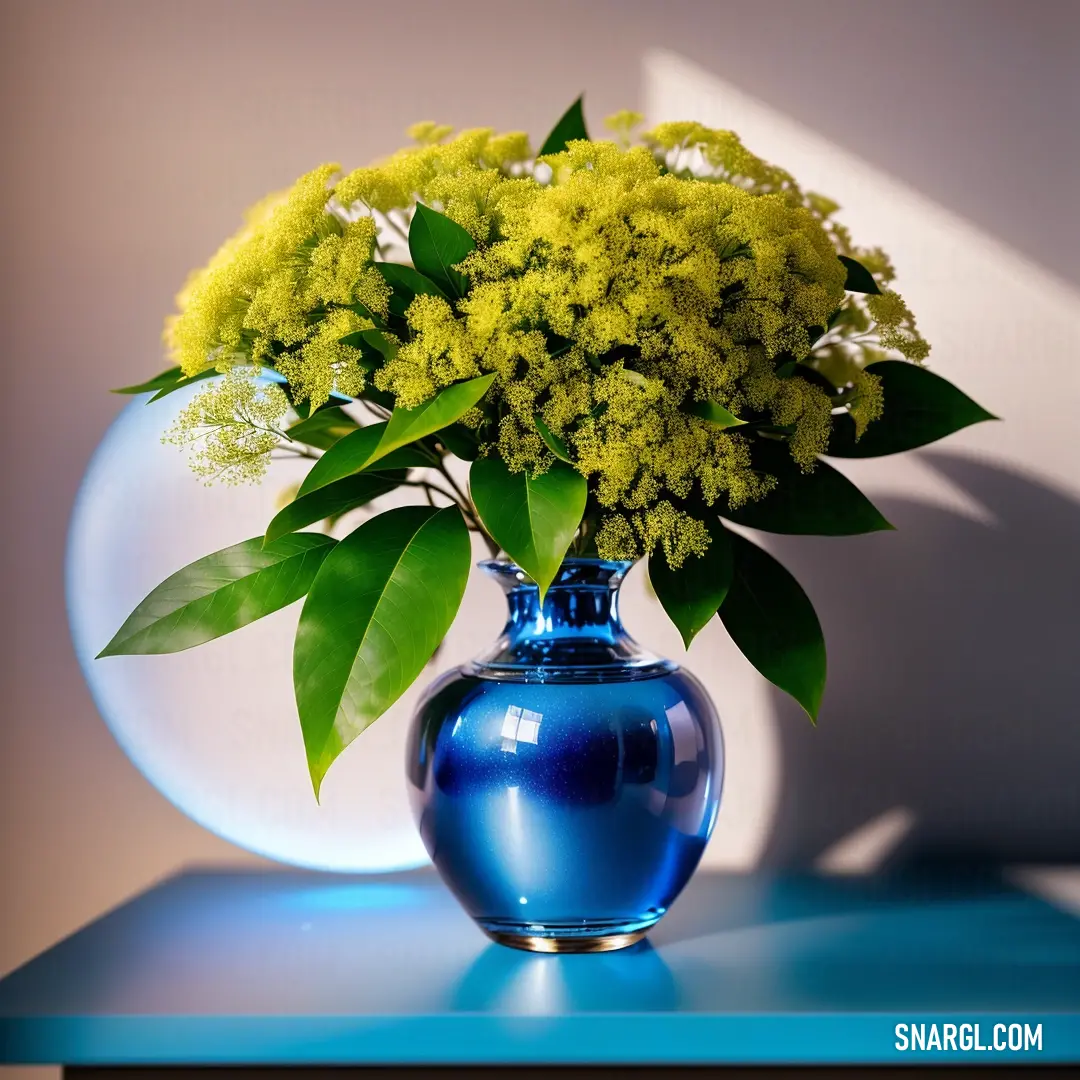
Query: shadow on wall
(954,686)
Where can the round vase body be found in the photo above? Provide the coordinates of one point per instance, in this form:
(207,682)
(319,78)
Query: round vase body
(565,784)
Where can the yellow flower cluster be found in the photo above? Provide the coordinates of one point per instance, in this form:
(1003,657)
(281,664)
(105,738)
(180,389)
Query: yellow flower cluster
(267,291)
(675,531)
(463,176)
(230,428)
(612,289)
(613,297)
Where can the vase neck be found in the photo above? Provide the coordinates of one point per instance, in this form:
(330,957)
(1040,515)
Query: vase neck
(576,634)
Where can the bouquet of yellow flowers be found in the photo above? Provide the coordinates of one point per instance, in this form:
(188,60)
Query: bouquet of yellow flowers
(633,342)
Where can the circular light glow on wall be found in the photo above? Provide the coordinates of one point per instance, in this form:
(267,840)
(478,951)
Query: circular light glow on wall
(215,729)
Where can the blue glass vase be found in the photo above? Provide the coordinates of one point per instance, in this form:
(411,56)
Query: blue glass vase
(566,782)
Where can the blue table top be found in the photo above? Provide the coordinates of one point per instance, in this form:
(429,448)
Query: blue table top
(297,968)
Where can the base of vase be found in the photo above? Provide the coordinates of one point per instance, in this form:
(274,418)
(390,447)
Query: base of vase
(599,943)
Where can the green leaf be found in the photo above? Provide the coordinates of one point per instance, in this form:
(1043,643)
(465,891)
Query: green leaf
(859,279)
(735,249)
(347,456)
(460,441)
(373,443)
(532,518)
(209,373)
(304,410)
(323,429)
(436,245)
(331,501)
(383,398)
(556,445)
(412,456)
(812,375)
(692,594)
(353,453)
(220,593)
(374,616)
(407,283)
(158,382)
(445,408)
(920,407)
(571,126)
(715,414)
(166,383)
(821,503)
(557,345)
(373,344)
(774,625)
(366,313)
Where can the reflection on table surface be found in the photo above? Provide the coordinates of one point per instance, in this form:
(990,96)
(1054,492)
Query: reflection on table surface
(298,944)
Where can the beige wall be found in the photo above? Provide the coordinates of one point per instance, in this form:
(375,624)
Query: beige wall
(134,134)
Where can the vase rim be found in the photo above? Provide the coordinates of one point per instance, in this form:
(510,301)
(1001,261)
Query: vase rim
(502,566)
(573,571)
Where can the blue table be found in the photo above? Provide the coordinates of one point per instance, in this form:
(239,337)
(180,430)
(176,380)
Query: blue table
(290,968)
